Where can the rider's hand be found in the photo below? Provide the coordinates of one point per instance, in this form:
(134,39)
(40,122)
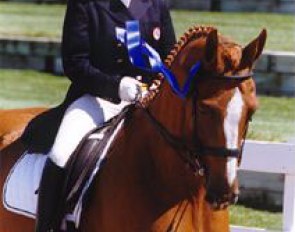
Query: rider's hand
(129,89)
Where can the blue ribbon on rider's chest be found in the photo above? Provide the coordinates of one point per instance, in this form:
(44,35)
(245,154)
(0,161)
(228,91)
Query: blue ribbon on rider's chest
(140,52)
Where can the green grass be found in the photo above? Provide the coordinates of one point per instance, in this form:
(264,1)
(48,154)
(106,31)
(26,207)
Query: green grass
(274,121)
(34,20)
(25,88)
(243,216)
(31,20)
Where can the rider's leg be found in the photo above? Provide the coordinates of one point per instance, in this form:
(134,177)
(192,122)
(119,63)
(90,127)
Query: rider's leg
(82,116)
(49,196)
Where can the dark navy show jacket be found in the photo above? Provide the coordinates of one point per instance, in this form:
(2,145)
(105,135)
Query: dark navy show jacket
(93,58)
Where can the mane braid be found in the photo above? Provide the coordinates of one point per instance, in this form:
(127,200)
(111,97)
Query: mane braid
(191,34)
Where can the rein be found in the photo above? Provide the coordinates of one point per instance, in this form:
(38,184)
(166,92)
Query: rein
(192,154)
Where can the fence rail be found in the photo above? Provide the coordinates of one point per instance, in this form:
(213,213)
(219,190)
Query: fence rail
(273,158)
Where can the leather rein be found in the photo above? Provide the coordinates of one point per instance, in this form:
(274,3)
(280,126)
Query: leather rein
(191,154)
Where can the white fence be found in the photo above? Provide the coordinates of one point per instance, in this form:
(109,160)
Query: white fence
(273,158)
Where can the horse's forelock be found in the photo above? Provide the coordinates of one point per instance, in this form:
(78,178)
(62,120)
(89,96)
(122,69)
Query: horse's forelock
(231,53)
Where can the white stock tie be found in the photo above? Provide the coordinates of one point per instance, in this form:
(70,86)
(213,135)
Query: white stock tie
(126,2)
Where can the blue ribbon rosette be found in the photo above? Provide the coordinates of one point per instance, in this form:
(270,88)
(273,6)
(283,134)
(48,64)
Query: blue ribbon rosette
(139,52)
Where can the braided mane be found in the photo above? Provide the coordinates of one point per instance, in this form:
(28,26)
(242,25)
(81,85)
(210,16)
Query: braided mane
(191,34)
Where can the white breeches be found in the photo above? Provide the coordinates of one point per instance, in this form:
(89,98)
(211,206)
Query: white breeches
(83,115)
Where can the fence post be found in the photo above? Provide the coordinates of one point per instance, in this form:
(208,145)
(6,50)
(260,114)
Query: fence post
(215,5)
(289,204)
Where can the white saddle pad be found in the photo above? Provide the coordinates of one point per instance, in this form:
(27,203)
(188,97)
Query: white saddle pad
(19,193)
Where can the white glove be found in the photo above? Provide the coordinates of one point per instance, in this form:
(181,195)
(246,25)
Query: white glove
(129,89)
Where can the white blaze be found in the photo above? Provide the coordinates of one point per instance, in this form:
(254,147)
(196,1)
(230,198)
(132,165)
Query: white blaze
(231,131)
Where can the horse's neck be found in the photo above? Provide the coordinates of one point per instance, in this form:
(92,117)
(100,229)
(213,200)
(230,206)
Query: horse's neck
(174,186)
(176,180)
(171,186)
(168,107)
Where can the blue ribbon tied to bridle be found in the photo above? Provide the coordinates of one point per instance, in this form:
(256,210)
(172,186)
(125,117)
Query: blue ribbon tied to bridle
(140,52)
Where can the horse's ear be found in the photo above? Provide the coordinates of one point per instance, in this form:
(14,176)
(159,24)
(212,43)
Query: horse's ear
(211,48)
(253,50)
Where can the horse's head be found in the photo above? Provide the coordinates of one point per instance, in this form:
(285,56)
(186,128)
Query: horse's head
(224,98)
(218,107)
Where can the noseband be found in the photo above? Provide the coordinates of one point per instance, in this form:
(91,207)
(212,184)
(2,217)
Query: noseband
(191,154)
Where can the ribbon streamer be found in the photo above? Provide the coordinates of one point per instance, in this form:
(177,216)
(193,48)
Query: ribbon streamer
(138,50)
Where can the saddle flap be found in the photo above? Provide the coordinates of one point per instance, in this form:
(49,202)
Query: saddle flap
(87,159)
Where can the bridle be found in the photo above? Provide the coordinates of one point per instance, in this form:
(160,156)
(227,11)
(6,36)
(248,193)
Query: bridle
(191,154)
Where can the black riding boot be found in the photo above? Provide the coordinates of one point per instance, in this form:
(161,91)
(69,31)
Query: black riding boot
(50,192)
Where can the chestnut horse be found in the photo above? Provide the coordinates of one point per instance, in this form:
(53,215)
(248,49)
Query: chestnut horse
(153,179)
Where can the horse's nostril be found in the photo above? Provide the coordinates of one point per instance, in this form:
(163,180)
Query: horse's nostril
(221,201)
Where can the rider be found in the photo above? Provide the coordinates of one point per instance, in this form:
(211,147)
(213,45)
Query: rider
(103,79)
